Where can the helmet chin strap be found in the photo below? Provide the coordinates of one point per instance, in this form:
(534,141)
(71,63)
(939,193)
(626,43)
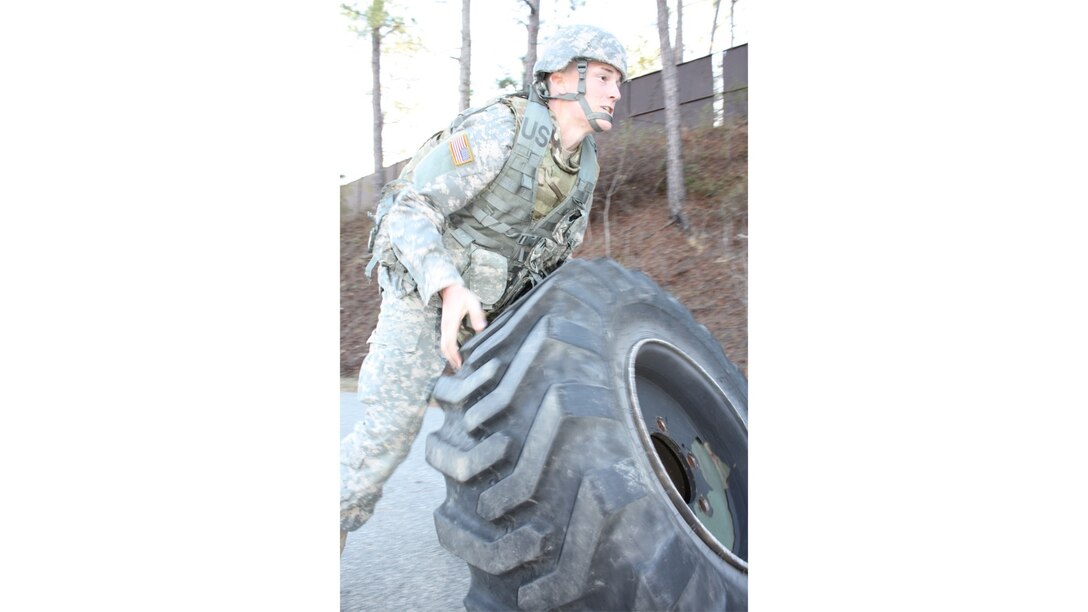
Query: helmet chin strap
(580,98)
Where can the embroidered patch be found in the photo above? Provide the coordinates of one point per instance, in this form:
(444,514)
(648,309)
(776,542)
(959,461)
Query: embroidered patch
(459,149)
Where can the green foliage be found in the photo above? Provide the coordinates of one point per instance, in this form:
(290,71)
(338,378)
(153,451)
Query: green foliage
(354,16)
(508,83)
(380,16)
(376,16)
(643,57)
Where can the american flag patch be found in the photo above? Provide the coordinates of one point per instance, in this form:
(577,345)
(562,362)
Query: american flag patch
(459,149)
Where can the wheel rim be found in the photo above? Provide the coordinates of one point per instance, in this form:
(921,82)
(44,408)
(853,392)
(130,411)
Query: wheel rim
(697,444)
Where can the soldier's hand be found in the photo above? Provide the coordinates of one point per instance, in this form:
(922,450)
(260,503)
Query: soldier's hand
(458,301)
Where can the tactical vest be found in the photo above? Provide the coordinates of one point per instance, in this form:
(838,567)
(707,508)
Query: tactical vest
(500,217)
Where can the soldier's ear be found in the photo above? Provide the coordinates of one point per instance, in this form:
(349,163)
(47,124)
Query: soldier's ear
(555,81)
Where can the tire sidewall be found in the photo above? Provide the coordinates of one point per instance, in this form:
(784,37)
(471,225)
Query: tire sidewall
(637,321)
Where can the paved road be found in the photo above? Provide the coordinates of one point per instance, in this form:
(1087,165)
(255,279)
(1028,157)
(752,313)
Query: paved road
(395,562)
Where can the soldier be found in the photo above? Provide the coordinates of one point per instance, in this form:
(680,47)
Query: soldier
(485,209)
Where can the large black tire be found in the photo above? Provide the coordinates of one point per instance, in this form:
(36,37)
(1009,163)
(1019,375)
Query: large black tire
(595,452)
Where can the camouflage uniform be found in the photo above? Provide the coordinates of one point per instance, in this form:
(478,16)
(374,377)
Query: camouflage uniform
(420,247)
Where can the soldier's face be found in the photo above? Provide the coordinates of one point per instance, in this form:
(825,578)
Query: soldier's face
(602,89)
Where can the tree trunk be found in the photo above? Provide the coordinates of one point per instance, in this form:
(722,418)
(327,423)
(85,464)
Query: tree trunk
(732,4)
(534,29)
(466,55)
(376,74)
(714,24)
(679,32)
(674,163)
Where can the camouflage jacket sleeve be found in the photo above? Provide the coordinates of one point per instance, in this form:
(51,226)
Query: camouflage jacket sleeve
(443,181)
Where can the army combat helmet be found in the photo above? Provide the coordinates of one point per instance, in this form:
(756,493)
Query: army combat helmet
(581,44)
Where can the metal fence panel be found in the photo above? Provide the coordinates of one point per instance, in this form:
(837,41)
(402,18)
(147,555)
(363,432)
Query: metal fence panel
(735,81)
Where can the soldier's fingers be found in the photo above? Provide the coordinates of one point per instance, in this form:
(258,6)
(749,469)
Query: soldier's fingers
(454,357)
(479,321)
(448,338)
(448,344)
(451,354)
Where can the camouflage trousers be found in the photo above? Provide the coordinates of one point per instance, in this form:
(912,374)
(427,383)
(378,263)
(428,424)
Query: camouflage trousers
(395,384)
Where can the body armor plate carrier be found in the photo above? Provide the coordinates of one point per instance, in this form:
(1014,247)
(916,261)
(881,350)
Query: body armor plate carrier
(500,218)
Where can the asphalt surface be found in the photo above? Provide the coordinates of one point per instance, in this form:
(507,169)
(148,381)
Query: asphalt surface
(395,562)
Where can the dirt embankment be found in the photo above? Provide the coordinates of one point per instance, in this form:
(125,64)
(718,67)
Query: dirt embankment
(705,268)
